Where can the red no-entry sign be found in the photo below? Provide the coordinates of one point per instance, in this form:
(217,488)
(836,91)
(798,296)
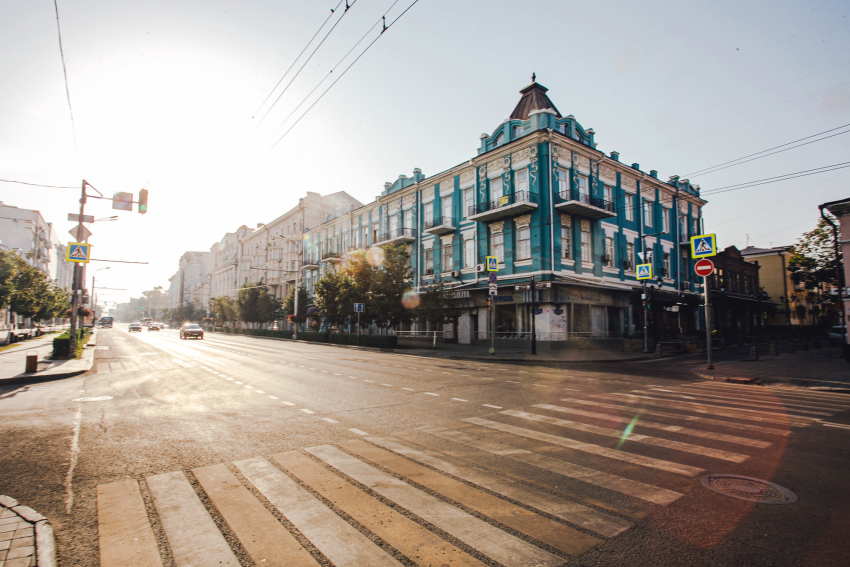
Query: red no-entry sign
(704,268)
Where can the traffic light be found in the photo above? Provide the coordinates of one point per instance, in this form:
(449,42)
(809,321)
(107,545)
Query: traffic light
(143,201)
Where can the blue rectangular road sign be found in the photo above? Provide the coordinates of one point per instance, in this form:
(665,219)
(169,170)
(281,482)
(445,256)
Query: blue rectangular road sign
(359,307)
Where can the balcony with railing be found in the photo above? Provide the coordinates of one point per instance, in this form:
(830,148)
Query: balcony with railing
(333,257)
(397,236)
(516,203)
(310,263)
(575,202)
(439,225)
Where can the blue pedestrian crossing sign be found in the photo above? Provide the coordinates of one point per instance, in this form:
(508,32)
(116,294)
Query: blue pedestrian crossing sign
(644,271)
(703,246)
(492,264)
(78,252)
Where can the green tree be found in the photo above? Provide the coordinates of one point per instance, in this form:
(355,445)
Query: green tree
(813,257)
(225,309)
(255,304)
(288,304)
(437,305)
(54,304)
(10,265)
(388,287)
(31,288)
(332,295)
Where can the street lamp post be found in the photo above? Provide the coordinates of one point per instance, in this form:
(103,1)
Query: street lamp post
(643,295)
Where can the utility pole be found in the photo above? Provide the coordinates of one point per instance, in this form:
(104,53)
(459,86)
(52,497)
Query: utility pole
(75,284)
(707,323)
(533,317)
(645,321)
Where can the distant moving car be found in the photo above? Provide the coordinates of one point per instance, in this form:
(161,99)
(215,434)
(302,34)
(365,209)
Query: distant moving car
(154,327)
(191,330)
(836,335)
(106,322)
(135,326)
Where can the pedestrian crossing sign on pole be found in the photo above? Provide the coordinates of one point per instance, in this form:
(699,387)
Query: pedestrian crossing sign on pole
(703,246)
(492,264)
(644,271)
(78,252)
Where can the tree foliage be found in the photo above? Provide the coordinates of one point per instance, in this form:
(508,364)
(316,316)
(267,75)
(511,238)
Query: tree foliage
(388,287)
(813,257)
(225,309)
(437,305)
(28,291)
(255,304)
(288,303)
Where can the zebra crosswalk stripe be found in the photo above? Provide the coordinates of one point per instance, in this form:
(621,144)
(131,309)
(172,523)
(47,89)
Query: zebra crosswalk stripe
(121,510)
(659,464)
(711,399)
(760,401)
(336,539)
(500,546)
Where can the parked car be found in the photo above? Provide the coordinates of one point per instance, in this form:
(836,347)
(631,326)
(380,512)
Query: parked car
(191,330)
(135,326)
(836,335)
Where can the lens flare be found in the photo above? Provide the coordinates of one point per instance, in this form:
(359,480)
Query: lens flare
(375,256)
(628,431)
(410,299)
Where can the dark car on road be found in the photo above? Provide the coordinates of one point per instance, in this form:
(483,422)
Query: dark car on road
(191,330)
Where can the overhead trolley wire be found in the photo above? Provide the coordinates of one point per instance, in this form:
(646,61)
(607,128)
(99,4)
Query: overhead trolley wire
(347,7)
(40,185)
(271,92)
(362,53)
(65,72)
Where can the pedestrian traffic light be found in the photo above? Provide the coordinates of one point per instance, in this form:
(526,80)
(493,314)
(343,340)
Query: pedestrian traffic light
(143,201)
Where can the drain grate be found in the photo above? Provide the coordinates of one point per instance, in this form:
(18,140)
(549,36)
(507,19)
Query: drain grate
(748,488)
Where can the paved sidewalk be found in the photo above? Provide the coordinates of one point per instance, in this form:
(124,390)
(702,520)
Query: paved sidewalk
(13,362)
(821,369)
(26,537)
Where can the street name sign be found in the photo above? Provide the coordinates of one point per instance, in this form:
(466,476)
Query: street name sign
(77,218)
(644,271)
(78,252)
(80,233)
(523,287)
(703,246)
(492,264)
(704,268)
(359,307)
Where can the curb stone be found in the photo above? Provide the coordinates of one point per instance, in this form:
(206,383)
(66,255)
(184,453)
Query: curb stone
(733,379)
(45,544)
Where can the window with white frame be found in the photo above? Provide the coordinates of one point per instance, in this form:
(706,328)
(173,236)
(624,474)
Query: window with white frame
(684,266)
(393,224)
(665,266)
(585,246)
(365,236)
(495,188)
(566,243)
(468,202)
(648,255)
(447,209)
(429,213)
(429,261)
(469,253)
(562,128)
(695,223)
(500,139)
(375,228)
(628,206)
(609,252)
(521,178)
(518,131)
(345,242)
(563,182)
(630,256)
(583,191)
(408,219)
(447,257)
(683,227)
(608,193)
(523,243)
(665,220)
(647,213)
(498,246)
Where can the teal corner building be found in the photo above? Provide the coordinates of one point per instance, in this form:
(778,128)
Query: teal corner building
(543,200)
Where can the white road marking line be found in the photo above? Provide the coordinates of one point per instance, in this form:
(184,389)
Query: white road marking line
(444,372)
(310,368)
(273,397)
(412,367)
(329,420)
(238,382)
(634,437)
(386,385)
(305,410)
(431,394)
(74,455)
(765,403)
(427,370)
(659,464)
(358,431)
(838,425)
(489,406)
(572,389)
(259,391)
(466,375)
(511,382)
(337,374)
(540,385)
(353,377)
(287,403)
(231,379)
(368,380)
(741,413)
(460,400)
(409,389)
(249,387)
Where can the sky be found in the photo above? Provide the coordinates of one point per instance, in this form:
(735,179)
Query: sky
(168,96)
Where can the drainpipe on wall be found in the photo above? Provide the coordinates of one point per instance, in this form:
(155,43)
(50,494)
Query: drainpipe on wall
(549,166)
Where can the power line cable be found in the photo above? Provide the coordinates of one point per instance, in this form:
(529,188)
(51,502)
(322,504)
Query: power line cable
(362,53)
(718,166)
(804,173)
(298,72)
(39,184)
(65,72)
(271,92)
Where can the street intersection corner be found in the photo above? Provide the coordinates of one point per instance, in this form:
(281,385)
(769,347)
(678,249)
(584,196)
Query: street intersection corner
(26,537)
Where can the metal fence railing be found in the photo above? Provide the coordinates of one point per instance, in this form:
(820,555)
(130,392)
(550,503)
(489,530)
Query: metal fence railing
(397,233)
(504,201)
(585,198)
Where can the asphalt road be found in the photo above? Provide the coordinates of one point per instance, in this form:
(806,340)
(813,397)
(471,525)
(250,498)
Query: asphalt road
(155,404)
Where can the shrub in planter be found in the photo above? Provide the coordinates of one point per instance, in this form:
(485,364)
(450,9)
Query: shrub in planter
(313,336)
(377,341)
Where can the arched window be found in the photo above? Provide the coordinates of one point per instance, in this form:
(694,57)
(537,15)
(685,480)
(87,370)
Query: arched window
(499,140)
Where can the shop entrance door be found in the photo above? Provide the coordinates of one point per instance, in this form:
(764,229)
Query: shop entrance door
(597,321)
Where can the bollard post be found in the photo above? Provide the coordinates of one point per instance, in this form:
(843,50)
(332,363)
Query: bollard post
(754,352)
(773,350)
(32,363)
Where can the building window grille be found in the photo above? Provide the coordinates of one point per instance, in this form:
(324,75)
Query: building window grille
(469,253)
(447,258)
(523,243)
(522,180)
(585,246)
(566,243)
(609,252)
(628,204)
(499,247)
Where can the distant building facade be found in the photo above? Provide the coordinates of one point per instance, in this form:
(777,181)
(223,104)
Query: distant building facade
(191,282)
(543,200)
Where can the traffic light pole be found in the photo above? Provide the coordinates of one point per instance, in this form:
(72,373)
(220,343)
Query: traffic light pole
(645,321)
(533,317)
(75,283)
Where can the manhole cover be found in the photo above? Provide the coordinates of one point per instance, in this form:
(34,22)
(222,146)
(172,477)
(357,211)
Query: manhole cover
(748,488)
(94,399)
